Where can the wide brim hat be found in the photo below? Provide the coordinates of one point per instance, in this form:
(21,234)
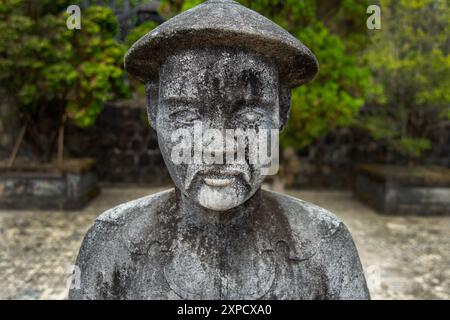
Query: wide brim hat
(222,23)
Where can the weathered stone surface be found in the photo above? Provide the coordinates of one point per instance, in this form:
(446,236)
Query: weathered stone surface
(217,235)
(285,249)
(223,23)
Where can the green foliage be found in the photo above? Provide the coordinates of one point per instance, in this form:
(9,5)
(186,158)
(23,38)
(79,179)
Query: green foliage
(43,64)
(134,35)
(410,59)
(334,98)
(139,31)
(336,33)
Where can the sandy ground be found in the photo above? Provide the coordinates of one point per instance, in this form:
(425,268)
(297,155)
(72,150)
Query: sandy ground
(403,257)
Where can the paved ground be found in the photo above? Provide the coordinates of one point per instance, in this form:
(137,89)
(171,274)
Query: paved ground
(403,257)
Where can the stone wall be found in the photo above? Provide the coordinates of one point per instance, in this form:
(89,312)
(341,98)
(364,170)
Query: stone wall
(125,146)
(44,186)
(329,163)
(126,149)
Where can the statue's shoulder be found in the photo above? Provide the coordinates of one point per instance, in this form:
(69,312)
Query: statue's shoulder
(304,216)
(134,224)
(135,209)
(310,225)
(322,238)
(115,236)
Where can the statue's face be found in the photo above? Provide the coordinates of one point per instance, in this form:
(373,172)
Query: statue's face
(215,89)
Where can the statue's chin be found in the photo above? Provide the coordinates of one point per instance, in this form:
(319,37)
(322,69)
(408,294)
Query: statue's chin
(220,198)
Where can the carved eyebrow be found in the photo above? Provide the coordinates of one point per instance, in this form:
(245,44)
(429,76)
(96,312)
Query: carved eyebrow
(259,101)
(180,99)
(193,100)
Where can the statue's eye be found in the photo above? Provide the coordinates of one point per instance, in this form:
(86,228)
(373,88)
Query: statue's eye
(185,116)
(250,117)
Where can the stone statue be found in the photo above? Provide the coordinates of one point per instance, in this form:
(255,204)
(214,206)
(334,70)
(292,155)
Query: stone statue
(217,235)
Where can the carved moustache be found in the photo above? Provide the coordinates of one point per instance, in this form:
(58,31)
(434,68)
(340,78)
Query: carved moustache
(241,170)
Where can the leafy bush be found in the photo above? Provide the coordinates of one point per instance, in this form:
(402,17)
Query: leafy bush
(50,70)
(410,59)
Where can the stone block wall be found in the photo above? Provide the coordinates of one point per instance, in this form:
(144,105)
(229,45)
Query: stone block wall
(329,163)
(48,187)
(126,149)
(125,146)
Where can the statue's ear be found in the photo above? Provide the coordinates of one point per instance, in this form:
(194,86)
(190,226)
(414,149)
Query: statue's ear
(152,97)
(285,104)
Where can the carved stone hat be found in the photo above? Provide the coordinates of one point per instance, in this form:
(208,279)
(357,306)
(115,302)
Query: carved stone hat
(216,23)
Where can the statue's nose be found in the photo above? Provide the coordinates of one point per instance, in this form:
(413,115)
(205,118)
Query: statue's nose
(220,143)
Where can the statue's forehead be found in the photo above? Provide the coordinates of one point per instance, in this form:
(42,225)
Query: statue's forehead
(191,72)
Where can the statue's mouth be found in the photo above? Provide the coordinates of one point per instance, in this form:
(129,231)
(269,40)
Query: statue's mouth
(224,177)
(217,176)
(219,182)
